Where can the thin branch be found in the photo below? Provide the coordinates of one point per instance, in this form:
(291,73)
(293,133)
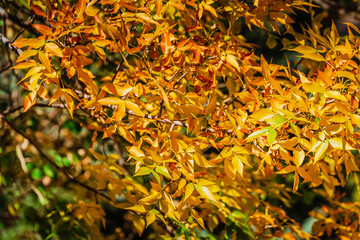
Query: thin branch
(52,162)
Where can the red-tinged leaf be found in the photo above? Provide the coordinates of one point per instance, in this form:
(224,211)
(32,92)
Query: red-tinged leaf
(54,49)
(24,65)
(165,43)
(320,151)
(133,107)
(80,7)
(287,169)
(304,174)
(26,54)
(111,101)
(38,10)
(146,18)
(43,29)
(45,61)
(29,42)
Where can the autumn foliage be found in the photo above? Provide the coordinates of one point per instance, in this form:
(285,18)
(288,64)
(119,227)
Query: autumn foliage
(183,127)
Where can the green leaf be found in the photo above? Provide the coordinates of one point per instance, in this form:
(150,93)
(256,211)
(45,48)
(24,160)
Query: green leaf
(36,174)
(143,171)
(257,133)
(271,136)
(163,171)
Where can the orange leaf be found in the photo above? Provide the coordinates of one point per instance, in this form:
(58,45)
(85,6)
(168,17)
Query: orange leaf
(43,29)
(23,65)
(80,7)
(29,42)
(29,101)
(111,101)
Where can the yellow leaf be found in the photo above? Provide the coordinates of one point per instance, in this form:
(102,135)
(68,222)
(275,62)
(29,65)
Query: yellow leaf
(197,217)
(335,95)
(356,119)
(210,107)
(164,97)
(296,182)
(299,156)
(233,61)
(69,104)
(205,192)
(146,18)
(238,165)
(45,61)
(209,8)
(135,151)
(139,224)
(309,52)
(91,11)
(54,49)
(320,151)
(150,217)
(26,54)
(189,189)
(137,208)
(313,87)
(133,107)
(339,143)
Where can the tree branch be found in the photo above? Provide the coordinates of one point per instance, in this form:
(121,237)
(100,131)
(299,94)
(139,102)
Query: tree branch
(52,162)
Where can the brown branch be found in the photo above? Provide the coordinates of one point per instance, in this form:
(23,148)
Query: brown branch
(52,162)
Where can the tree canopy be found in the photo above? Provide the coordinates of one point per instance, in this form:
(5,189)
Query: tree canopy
(152,119)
